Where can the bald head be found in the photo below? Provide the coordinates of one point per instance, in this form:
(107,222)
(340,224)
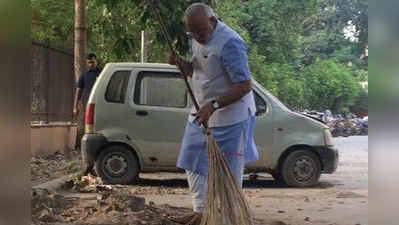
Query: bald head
(200,22)
(198,9)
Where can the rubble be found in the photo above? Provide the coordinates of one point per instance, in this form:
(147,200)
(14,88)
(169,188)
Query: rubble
(87,184)
(110,208)
(47,206)
(46,167)
(111,205)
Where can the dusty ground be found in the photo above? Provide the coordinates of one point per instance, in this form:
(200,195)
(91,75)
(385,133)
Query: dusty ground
(48,167)
(340,199)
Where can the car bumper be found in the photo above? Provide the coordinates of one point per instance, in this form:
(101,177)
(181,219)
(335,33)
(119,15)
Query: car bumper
(329,158)
(91,146)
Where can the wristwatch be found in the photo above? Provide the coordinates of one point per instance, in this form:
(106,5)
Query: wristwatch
(215,104)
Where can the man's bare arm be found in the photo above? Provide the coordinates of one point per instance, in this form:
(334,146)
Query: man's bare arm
(186,67)
(235,93)
(78,97)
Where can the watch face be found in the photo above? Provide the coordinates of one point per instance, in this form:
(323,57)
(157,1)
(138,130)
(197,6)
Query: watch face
(215,105)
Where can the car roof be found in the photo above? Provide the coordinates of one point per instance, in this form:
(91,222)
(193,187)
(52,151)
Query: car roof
(142,65)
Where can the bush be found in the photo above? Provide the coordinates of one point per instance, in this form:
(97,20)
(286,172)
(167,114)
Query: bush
(280,79)
(329,85)
(360,107)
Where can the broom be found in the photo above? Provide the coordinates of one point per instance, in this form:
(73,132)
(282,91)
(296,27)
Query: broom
(225,202)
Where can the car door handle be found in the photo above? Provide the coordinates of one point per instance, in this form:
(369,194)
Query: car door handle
(141,113)
(280,129)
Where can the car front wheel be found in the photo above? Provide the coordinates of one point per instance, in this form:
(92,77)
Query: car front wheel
(301,168)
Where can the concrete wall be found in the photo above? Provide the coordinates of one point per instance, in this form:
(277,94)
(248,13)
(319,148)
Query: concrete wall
(49,138)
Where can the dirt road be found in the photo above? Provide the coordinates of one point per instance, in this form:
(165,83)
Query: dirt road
(340,199)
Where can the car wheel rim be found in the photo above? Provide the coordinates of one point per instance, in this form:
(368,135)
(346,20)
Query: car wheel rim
(303,169)
(115,165)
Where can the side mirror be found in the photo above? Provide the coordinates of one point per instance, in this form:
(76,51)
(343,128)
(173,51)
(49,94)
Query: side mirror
(260,111)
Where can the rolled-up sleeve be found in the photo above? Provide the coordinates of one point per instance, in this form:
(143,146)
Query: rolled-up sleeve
(235,60)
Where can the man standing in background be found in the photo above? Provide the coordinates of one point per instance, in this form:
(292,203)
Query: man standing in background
(82,94)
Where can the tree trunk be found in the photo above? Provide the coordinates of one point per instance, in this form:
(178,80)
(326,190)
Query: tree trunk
(80,51)
(80,37)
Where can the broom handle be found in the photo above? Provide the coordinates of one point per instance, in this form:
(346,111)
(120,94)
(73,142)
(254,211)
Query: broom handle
(172,48)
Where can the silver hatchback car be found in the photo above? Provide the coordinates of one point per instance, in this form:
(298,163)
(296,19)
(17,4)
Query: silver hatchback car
(137,112)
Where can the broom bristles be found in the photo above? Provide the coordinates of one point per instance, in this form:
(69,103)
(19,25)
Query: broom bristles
(225,203)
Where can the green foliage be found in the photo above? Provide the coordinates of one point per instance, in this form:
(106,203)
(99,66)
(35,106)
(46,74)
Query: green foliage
(361,75)
(354,12)
(113,31)
(329,85)
(275,25)
(172,18)
(298,49)
(260,71)
(55,20)
(280,79)
(291,89)
(324,32)
(233,13)
(360,107)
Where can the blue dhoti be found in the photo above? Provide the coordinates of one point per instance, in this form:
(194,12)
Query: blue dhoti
(236,143)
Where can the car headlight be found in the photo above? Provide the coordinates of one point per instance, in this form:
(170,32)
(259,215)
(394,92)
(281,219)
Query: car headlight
(328,139)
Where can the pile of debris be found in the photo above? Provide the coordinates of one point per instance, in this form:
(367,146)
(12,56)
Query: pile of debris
(108,205)
(46,167)
(108,208)
(124,208)
(87,184)
(47,207)
(88,201)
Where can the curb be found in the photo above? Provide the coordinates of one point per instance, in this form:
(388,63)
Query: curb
(56,184)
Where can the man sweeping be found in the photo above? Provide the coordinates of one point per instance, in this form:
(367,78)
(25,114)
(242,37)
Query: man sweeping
(222,87)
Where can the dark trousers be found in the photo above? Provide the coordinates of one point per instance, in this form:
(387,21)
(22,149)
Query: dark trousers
(80,120)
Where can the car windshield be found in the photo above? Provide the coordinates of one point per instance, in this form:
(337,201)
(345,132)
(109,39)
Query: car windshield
(280,104)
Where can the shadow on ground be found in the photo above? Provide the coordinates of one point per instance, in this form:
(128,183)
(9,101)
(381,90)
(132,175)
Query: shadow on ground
(248,183)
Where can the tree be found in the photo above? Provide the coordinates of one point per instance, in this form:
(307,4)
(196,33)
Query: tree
(275,27)
(55,21)
(355,13)
(114,33)
(329,85)
(281,80)
(337,26)
(234,13)
(360,106)
(172,18)
(298,49)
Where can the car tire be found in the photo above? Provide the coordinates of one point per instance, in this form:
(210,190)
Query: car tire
(301,168)
(277,177)
(117,165)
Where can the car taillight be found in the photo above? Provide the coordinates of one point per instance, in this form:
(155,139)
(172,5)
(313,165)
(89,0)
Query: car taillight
(89,118)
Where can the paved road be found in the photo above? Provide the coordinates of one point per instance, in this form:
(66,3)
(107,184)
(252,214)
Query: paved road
(352,172)
(340,199)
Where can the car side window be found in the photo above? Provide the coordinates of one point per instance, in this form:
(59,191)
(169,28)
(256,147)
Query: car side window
(165,89)
(116,90)
(261,105)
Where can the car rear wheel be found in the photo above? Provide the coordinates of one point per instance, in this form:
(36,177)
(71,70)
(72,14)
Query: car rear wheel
(277,177)
(117,165)
(301,168)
